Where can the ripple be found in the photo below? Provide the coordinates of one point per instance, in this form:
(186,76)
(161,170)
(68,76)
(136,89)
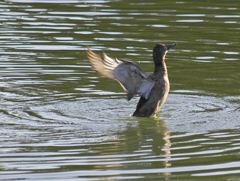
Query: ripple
(230,22)
(191,15)
(199,110)
(45,1)
(50,17)
(86,13)
(36,9)
(30,31)
(231,53)
(111,33)
(44,47)
(84,32)
(217,173)
(190,20)
(158,25)
(227,16)
(76,127)
(206,57)
(14,13)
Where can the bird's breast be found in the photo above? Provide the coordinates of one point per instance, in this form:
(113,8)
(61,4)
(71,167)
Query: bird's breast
(165,89)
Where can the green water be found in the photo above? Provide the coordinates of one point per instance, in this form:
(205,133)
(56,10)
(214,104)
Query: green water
(62,121)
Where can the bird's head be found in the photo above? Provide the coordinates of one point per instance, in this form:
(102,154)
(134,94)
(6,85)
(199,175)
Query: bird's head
(160,51)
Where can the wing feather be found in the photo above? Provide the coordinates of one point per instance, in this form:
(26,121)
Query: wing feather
(128,74)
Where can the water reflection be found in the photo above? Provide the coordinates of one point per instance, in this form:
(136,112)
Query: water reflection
(151,136)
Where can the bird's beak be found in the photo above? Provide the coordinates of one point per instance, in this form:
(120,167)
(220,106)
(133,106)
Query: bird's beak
(170,46)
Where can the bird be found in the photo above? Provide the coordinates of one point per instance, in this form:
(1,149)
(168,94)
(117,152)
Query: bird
(153,88)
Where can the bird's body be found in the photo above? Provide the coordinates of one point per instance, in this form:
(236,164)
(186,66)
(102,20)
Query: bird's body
(157,97)
(153,88)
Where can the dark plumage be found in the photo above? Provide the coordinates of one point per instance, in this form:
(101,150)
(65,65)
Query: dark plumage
(153,88)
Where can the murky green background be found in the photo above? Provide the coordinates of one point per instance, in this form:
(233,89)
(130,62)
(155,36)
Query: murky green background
(59,120)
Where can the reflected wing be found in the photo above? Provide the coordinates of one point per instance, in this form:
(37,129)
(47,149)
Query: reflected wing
(128,74)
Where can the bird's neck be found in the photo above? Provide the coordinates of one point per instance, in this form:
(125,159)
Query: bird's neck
(160,69)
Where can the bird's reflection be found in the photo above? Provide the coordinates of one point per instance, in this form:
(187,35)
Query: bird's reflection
(154,134)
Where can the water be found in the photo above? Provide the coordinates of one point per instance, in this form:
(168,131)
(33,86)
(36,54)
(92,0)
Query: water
(62,121)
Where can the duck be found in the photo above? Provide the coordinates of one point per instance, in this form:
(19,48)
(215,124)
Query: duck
(152,88)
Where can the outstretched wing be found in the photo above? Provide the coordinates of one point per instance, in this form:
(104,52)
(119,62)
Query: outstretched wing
(128,74)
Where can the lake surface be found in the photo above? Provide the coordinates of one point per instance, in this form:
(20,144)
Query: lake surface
(62,121)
